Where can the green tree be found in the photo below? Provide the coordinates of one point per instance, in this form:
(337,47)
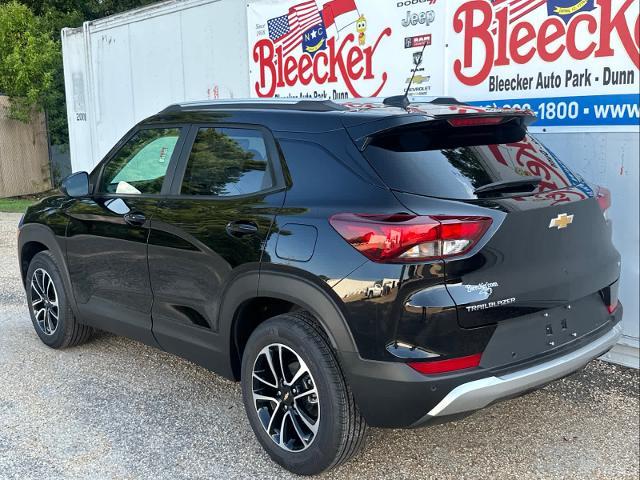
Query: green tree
(29,59)
(31,72)
(89,10)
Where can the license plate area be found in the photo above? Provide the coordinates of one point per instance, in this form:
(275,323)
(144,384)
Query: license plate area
(521,338)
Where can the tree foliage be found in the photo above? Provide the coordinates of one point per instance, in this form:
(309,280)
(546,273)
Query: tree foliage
(29,59)
(90,10)
(31,72)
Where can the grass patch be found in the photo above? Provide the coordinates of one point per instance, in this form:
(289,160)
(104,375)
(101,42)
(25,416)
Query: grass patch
(15,205)
(20,204)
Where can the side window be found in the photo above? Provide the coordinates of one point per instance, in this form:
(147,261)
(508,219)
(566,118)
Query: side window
(226,162)
(141,164)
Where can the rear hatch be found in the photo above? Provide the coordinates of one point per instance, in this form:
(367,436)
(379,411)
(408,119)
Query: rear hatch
(550,242)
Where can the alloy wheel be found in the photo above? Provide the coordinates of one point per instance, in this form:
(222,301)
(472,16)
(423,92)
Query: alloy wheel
(44,301)
(285,397)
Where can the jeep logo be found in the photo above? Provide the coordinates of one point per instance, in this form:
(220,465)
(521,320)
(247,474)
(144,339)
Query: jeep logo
(424,18)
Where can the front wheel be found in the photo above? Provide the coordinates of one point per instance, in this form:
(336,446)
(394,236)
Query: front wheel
(295,395)
(49,307)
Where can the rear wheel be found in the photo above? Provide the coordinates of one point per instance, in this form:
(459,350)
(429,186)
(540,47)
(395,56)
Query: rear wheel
(49,307)
(296,397)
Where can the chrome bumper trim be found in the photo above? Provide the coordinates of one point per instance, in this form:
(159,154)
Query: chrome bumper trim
(480,393)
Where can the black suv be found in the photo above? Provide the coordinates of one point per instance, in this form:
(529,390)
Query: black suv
(351,264)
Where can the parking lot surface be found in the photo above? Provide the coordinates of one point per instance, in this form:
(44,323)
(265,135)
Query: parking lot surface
(114,408)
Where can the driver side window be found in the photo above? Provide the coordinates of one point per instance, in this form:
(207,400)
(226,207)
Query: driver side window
(141,164)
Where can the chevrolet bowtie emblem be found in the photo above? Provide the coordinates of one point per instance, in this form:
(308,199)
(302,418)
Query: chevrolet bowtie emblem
(561,221)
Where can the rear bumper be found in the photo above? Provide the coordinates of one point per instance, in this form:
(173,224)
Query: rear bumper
(480,393)
(393,395)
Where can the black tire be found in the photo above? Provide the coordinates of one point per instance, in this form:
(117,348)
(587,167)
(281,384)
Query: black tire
(68,332)
(341,428)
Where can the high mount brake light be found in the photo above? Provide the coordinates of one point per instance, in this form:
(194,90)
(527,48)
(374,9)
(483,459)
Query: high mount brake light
(407,238)
(475,121)
(603,195)
(444,366)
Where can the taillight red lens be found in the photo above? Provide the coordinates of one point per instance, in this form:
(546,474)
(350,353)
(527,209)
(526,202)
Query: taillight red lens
(603,195)
(475,121)
(613,307)
(407,238)
(444,366)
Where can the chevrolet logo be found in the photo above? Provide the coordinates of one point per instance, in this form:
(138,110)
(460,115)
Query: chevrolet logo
(418,79)
(561,221)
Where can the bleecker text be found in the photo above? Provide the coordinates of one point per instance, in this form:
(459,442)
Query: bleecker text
(598,31)
(348,62)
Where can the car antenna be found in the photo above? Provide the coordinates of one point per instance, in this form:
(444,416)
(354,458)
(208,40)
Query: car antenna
(402,101)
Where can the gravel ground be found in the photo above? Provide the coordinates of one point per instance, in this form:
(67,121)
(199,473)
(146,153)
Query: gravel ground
(114,408)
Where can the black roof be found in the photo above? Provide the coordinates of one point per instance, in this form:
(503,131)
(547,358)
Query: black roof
(303,105)
(269,104)
(361,116)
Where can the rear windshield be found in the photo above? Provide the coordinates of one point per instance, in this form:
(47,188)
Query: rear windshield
(450,162)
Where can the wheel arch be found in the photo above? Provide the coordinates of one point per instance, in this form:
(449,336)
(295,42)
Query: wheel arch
(281,289)
(27,252)
(35,238)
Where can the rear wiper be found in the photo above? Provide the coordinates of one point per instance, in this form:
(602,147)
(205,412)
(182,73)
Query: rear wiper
(528,184)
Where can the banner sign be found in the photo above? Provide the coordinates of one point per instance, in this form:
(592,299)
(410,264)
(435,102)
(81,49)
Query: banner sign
(579,111)
(574,62)
(336,49)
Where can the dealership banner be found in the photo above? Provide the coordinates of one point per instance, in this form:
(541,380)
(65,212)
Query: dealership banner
(336,49)
(575,63)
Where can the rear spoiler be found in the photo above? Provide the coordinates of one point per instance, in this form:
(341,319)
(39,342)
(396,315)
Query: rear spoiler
(455,115)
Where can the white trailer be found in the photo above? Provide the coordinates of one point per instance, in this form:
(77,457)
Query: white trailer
(124,68)
(121,69)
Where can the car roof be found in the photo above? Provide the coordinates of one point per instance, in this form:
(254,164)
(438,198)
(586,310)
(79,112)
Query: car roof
(309,115)
(372,106)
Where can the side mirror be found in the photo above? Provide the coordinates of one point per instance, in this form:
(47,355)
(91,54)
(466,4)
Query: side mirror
(76,185)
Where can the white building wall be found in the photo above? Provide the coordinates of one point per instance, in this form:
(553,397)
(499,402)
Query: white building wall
(122,69)
(76,77)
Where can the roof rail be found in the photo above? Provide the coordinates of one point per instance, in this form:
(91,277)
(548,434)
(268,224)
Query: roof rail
(252,103)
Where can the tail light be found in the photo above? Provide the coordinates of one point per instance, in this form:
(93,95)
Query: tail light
(404,238)
(610,296)
(444,366)
(603,196)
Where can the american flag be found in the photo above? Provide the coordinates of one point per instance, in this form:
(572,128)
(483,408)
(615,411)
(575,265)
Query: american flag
(287,30)
(519,8)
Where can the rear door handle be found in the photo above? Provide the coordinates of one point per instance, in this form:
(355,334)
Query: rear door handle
(241,229)
(135,219)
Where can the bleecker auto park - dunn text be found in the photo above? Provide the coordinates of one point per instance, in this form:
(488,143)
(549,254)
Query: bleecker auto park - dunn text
(567,79)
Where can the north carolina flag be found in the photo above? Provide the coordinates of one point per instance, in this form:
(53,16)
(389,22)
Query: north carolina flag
(287,30)
(566,9)
(340,13)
